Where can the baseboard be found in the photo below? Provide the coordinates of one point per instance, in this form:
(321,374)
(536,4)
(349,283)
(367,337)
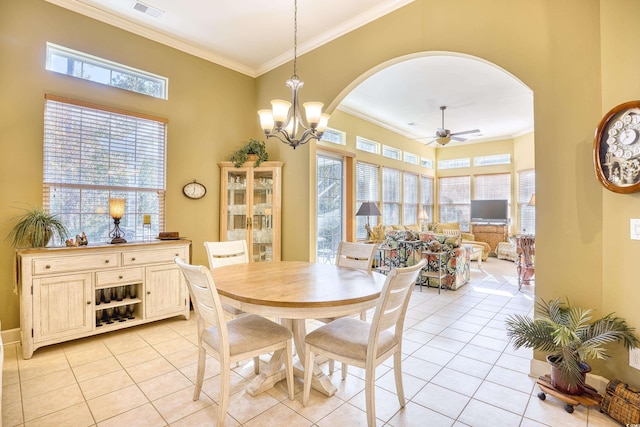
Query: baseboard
(539,368)
(11,336)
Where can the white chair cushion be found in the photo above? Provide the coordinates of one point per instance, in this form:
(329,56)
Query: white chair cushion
(349,337)
(248,333)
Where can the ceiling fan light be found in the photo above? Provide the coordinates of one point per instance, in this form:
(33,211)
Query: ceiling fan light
(443,140)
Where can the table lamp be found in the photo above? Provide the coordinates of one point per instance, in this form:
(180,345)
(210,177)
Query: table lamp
(116,210)
(368,209)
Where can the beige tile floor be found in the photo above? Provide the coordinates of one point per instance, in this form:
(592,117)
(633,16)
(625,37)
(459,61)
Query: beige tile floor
(459,370)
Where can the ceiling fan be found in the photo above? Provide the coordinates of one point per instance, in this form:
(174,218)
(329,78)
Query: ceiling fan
(444,136)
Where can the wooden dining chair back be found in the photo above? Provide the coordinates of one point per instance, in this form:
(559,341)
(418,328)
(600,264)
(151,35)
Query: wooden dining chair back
(238,339)
(355,255)
(230,252)
(358,343)
(227,253)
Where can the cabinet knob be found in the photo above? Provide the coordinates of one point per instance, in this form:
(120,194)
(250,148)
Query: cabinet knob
(47,266)
(148,292)
(88,302)
(177,254)
(133,258)
(120,277)
(106,261)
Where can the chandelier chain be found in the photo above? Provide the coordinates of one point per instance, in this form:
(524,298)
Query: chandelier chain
(295,38)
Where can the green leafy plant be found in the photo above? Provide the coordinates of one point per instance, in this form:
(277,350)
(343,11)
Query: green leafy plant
(252,147)
(35,228)
(570,335)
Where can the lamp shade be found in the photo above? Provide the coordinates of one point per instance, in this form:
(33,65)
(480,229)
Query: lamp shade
(532,202)
(368,209)
(116,208)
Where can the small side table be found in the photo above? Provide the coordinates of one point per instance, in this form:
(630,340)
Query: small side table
(428,273)
(414,247)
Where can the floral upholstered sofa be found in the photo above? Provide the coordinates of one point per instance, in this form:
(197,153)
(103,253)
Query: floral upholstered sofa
(403,248)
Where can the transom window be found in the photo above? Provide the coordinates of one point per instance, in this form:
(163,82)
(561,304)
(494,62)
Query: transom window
(334,136)
(496,159)
(454,163)
(391,153)
(93,153)
(410,158)
(88,67)
(367,145)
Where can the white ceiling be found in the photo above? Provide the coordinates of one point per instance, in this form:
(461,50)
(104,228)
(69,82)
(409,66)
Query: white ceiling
(255,36)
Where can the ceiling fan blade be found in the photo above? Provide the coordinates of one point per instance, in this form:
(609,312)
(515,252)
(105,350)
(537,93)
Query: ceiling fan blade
(466,132)
(457,138)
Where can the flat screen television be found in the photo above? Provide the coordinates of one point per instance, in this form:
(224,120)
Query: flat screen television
(490,211)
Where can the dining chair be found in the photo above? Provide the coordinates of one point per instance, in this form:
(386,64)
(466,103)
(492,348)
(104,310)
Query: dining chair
(230,252)
(358,256)
(366,345)
(230,341)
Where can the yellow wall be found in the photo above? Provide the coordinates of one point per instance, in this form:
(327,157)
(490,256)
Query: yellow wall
(211,110)
(575,55)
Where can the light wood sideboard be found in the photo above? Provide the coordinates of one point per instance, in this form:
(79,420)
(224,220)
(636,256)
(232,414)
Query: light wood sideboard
(491,234)
(59,288)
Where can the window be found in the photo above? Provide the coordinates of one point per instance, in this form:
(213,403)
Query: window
(367,190)
(91,154)
(526,212)
(364,144)
(334,136)
(426,198)
(410,192)
(88,67)
(492,187)
(426,163)
(498,159)
(330,206)
(390,196)
(454,199)
(410,158)
(454,163)
(391,153)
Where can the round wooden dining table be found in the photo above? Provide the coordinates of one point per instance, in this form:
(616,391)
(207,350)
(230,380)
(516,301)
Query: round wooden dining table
(294,291)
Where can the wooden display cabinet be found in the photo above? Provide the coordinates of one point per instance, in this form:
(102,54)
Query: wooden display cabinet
(250,207)
(491,234)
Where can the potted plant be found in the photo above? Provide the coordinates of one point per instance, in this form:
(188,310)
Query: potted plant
(253,150)
(571,336)
(36,228)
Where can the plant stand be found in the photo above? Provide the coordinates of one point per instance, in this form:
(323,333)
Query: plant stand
(589,397)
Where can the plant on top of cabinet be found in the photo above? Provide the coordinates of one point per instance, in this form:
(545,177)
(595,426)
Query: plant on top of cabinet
(255,147)
(35,228)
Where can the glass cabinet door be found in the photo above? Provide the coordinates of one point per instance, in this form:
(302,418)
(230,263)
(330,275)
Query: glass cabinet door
(237,205)
(262,218)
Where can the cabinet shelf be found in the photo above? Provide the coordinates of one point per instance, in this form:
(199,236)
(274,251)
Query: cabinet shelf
(113,303)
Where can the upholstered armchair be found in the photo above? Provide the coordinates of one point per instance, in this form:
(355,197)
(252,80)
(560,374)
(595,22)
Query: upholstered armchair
(467,238)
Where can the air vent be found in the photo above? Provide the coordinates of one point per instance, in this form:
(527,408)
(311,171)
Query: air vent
(147,10)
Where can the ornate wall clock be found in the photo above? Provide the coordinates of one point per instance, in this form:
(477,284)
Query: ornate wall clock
(194,190)
(616,149)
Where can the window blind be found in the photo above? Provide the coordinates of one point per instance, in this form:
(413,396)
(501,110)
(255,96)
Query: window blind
(367,190)
(426,198)
(410,192)
(454,199)
(390,196)
(526,213)
(492,187)
(93,153)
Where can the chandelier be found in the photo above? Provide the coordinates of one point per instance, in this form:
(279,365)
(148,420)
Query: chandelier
(284,121)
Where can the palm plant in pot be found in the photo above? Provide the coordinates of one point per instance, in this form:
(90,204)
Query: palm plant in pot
(571,336)
(35,228)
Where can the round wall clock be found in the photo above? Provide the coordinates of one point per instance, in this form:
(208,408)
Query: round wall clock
(616,149)
(194,190)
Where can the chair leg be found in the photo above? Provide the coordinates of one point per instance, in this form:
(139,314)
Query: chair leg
(225,384)
(332,366)
(344,370)
(370,396)
(202,358)
(289,369)
(397,370)
(309,360)
(256,365)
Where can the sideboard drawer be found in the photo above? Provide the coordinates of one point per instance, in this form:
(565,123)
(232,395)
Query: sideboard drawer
(119,277)
(74,263)
(155,256)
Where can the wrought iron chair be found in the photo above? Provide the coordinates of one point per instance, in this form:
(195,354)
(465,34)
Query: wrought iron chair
(525,263)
